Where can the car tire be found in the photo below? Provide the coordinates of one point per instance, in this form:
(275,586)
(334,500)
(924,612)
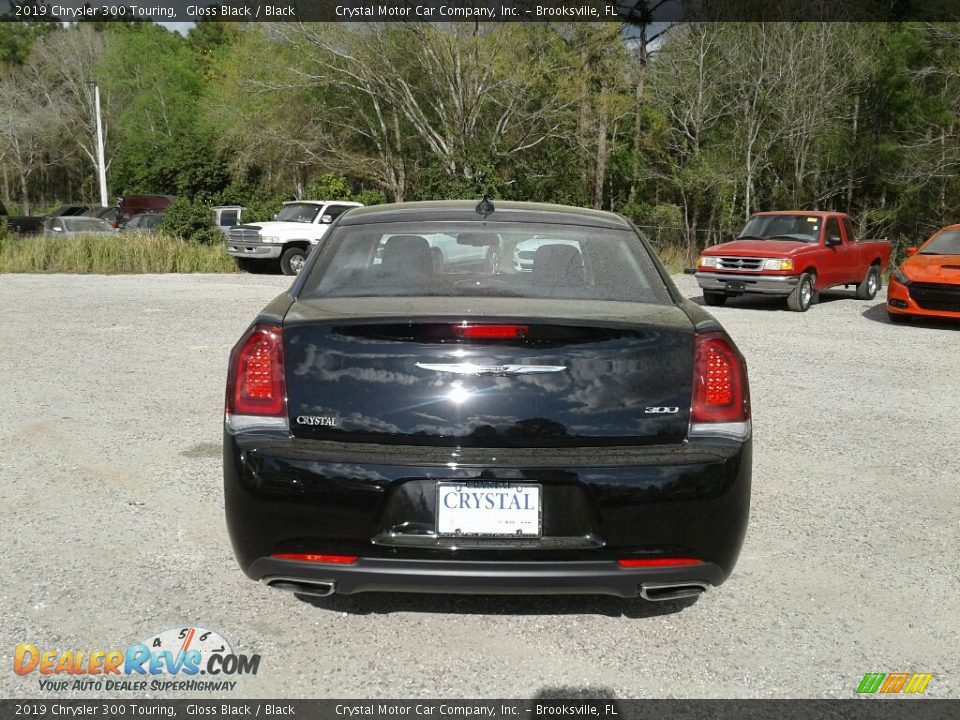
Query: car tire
(899,318)
(870,285)
(292,260)
(801,298)
(714,299)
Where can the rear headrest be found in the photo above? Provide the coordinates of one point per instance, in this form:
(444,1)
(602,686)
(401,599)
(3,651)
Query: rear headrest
(557,265)
(407,253)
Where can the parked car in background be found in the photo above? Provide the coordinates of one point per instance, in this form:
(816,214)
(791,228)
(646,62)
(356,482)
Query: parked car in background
(463,252)
(525,251)
(147,222)
(132,205)
(927,283)
(793,254)
(76,225)
(579,428)
(111,215)
(289,237)
(227,216)
(71,210)
(21,224)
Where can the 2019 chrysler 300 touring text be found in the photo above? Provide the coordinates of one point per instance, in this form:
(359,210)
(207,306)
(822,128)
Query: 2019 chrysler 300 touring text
(397,422)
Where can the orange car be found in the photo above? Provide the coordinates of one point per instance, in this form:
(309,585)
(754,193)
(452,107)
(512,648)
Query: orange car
(927,284)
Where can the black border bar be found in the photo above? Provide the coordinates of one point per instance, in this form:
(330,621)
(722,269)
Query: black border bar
(580,703)
(630,11)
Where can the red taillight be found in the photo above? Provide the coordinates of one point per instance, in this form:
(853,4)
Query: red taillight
(307,557)
(255,383)
(491,332)
(720,393)
(657,562)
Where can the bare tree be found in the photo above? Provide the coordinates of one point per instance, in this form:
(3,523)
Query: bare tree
(459,89)
(62,69)
(691,74)
(29,124)
(815,63)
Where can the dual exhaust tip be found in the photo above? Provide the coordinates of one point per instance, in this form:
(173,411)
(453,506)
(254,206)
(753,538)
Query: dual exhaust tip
(655,592)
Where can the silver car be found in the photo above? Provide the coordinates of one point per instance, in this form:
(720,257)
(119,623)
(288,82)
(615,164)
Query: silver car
(76,225)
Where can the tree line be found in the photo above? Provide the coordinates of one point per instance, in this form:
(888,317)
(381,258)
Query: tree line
(687,132)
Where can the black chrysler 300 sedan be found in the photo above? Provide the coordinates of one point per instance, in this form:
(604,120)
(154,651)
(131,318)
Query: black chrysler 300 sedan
(465,398)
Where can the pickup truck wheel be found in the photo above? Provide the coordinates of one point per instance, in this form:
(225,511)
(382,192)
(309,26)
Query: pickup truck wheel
(292,260)
(868,287)
(714,299)
(802,296)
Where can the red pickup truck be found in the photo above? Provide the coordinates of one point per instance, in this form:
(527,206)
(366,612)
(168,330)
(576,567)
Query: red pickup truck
(793,254)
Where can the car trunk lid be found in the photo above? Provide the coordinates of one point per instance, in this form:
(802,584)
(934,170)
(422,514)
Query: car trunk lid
(495,373)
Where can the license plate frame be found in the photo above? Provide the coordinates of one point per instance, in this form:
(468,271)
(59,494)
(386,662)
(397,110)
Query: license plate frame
(478,522)
(736,285)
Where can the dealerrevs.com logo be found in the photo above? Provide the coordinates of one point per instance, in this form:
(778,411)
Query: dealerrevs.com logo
(183,654)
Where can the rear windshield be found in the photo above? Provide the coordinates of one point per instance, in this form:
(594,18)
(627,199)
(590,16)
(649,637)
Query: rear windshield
(487,259)
(945,243)
(85,224)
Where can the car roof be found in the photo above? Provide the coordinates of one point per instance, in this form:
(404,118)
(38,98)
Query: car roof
(817,213)
(323,202)
(466,210)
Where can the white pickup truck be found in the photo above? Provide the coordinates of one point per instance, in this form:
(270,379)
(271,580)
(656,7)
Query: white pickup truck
(289,237)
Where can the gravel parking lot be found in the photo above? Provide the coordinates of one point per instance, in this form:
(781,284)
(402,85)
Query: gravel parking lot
(112,516)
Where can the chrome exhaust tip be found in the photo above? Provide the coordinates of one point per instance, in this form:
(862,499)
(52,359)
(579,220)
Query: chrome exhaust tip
(314,588)
(659,592)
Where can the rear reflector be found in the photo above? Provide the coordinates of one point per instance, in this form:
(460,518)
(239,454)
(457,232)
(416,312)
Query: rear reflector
(491,332)
(306,557)
(721,398)
(657,562)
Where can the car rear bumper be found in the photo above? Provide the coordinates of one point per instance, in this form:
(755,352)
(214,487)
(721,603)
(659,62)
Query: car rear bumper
(483,577)
(254,250)
(737,283)
(599,505)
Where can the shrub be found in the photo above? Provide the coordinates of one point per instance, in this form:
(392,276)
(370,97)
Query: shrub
(328,186)
(192,221)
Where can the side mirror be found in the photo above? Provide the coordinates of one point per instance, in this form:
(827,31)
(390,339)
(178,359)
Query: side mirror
(833,240)
(912,250)
(326,219)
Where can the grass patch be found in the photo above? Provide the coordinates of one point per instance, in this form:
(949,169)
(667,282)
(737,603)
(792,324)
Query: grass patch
(109,254)
(674,258)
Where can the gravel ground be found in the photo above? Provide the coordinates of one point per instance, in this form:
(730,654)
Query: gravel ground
(112,516)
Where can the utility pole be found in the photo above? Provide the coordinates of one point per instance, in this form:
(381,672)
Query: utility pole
(101,165)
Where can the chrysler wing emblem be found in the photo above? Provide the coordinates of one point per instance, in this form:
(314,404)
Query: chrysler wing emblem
(472,369)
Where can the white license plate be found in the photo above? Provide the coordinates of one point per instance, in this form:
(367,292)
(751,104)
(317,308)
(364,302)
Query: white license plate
(488,508)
